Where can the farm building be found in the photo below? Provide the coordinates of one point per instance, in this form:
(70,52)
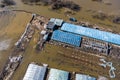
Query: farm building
(92,33)
(35,72)
(43,32)
(45,37)
(56,74)
(84,77)
(65,37)
(57,22)
(52,19)
(50,25)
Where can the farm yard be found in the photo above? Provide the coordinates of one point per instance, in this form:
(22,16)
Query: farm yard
(84,60)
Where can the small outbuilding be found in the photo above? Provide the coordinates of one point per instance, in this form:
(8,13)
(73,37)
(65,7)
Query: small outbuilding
(45,26)
(52,19)
(45,37)
(57,22)
(51,26)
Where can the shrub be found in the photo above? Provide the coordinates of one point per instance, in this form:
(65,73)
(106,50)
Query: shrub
(8,2)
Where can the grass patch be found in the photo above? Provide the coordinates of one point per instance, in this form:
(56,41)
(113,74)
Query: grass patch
(13,31)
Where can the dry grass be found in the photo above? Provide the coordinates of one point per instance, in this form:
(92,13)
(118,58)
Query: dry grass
(13,32)
(85,14)
(51,55)
(60,58)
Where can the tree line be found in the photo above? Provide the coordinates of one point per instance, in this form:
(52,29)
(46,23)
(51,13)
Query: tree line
(8,2)
(57,4)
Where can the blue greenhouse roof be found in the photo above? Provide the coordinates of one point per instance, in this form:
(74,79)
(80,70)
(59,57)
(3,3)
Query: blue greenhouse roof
(84,77)
(93,33)
(56,74)
(66,37)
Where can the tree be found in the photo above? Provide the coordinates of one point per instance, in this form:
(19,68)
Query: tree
(8,2)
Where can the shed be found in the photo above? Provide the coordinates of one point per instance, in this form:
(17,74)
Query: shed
(51,25)
(35,72)
(45,37)
(84,77)
(57,22)
(45,26)
(56,74)
(52,19)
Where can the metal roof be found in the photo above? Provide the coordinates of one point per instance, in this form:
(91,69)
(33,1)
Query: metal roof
(56,74)
(57,22)
(52,19)
(93,33)
(45,37)
(51,25)
(69,38)
(84,77)
(35,72)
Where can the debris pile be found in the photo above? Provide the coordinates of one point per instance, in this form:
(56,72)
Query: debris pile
(109,64)
(25,38)
(12,65)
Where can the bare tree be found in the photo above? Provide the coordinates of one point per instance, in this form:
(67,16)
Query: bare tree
(8,2)
(57,4)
